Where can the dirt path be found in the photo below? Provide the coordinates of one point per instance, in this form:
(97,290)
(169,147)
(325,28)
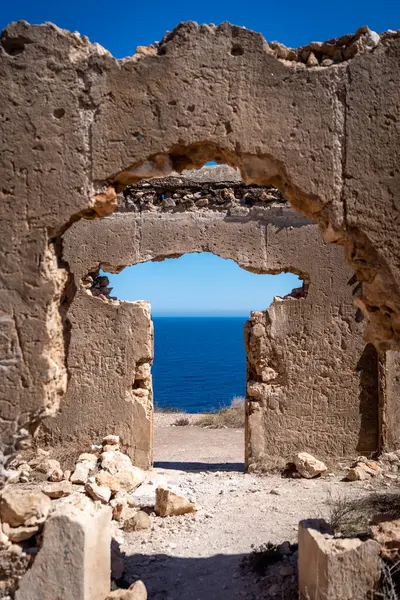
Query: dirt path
(195,448)
(198,557)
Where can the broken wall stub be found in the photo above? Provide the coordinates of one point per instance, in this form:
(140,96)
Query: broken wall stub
(111,350)
(306,389)
(389,382)
(78,124)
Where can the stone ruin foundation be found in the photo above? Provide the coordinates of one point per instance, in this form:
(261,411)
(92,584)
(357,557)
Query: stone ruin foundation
(320,123)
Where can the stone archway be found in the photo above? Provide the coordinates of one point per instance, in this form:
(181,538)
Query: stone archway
(303,388)
(327,136)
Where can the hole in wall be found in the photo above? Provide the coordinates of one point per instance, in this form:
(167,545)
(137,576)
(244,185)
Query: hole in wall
(14,46)
(58,113)
(237,50)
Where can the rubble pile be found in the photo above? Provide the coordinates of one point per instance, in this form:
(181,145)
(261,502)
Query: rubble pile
(106,478)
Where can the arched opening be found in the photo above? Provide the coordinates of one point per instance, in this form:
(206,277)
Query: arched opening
(200,304)
(295,347)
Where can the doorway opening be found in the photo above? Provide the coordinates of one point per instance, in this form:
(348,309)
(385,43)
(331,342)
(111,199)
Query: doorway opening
(200,305)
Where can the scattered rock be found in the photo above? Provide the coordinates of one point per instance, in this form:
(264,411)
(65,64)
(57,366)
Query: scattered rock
(115,461)
(110,448)
(88,457)
(13,565)
(385,529)
(98,492)
(357,474)
(18,507)
(39,457)
(127,479)
(47,466)
(308,466)
(21,533)
(58,489)
(362,469)
(112,440)
(81,473)
(137,591)
(117,505)
(170,504)
(139,521)
(312,61)
(56,475)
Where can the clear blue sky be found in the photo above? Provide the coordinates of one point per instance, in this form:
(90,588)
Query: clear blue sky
(120,26)
(202,283)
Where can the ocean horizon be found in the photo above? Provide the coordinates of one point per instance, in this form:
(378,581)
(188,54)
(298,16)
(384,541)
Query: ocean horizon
(199,361)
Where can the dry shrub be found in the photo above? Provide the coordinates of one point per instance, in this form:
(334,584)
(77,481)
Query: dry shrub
(182,422)
(260,559)
(389,583)
(352,516)
(167,409)
(66,452)
(231,417)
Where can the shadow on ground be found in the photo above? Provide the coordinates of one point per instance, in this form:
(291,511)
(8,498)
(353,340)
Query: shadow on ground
(216,577)
(199,466)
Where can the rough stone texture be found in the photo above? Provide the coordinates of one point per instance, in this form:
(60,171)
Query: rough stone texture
(107,342)
(308,466)
(327,136)
(390,400)
(385,529)
(137,591)
(13,565)
(335,568)
(312,383)
(170,504)
(21,507)
(74,560)
(58,490)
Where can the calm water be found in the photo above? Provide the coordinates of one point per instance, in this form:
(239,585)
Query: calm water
(199,362)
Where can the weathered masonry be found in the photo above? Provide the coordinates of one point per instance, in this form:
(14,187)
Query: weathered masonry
(312,383)
(320,123)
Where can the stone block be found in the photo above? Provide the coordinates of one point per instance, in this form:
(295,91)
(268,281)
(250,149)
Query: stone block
(335,568)
(74,561)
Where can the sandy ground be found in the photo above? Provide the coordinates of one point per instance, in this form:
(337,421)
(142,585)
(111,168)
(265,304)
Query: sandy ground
(198,557)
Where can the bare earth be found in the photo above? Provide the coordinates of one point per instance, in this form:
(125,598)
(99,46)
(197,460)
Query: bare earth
(198,557)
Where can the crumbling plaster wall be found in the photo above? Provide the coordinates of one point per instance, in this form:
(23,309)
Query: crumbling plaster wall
(76,123)
(315,399)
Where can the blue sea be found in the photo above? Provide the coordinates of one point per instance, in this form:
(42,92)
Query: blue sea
(199,362)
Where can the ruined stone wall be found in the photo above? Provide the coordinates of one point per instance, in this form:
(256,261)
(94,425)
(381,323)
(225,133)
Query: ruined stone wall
(77,125)
(109,360)
(307,387)
(390,400)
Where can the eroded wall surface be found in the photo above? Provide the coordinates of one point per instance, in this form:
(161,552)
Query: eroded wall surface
(390,400)
(109,360)
(319,122)
(306,389)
